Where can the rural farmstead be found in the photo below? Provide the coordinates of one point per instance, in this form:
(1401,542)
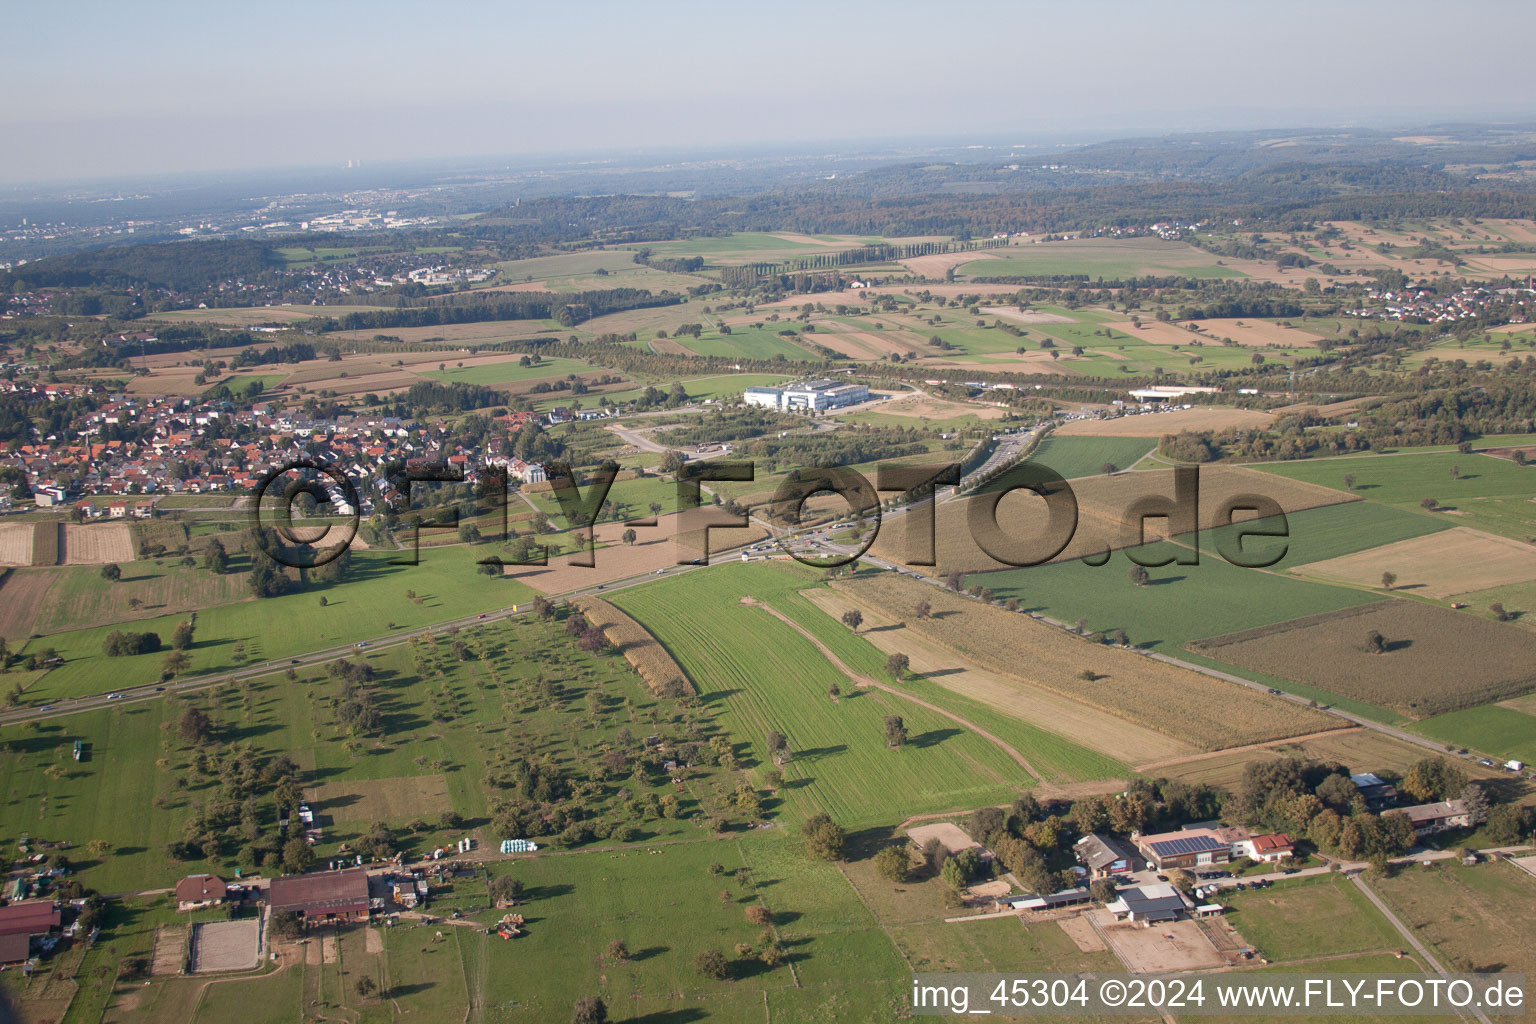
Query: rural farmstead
(329,897)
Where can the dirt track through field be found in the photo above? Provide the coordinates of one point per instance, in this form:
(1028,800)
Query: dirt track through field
(1267,744)
(1073,720)
(863,680)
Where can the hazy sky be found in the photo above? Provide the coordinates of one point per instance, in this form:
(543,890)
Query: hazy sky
(98,88)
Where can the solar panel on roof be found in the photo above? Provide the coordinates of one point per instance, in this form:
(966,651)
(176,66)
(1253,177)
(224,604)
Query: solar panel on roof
(1196,844)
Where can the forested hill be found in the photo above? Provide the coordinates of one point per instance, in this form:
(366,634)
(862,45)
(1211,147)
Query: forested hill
(175,266)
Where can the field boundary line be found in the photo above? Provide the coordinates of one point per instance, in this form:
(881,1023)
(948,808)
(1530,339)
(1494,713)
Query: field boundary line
(1266,744)
(863,680)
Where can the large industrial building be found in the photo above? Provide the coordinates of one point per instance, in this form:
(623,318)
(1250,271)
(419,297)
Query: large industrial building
(808,396)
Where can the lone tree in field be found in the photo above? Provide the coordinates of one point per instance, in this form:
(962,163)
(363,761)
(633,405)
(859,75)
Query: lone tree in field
(1375,643)
(1497,611)
(834,691)
(853,619)
(628,537)
(712,964)
(777,745)
(365,987)
(618,950)
(111,573)
(824,838)
(891,863)
(922,609)
(1349,481)
(895,731)
(1387,580)
(1139,575)
(195,726)
(897,665)
(1109,468)
(591,1010)
(175,663)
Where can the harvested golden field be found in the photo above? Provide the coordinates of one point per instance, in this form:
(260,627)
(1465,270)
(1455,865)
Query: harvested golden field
(857,344)
(1435,661)
(1246,333)
(1435,565)
(1195,709)
(16,543)
(936,264)
(177,381)
(20,595)
(923,407)
(657,547)
(1175,421)
(659,669)
(1028,316)
(1104,507)
(95,543)
(479,333)
(1082,724)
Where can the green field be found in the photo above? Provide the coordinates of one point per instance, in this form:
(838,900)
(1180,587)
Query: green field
(359,608)
(1182,603)
(445,723)
(767,676)
(1490,494)
(1466,915)
(747,343)
(1100,257)
(1074,457)
(1489,729)
(1317,534)
(1320,915)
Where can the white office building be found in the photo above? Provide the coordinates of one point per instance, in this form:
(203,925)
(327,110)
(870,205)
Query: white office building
(808,396)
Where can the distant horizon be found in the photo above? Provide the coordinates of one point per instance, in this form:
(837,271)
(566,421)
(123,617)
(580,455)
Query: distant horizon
(867,148)
(177,88)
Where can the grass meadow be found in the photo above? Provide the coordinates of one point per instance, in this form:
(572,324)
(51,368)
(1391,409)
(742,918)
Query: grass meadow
(1487,493)
(443,722)
(445,582)
(1074,457)
(767,676)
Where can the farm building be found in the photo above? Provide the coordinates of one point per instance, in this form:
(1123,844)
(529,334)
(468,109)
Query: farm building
(1104,856)
(36,918)
(1185,849)
(1266,848)
(20,923)
(1148,904)
(331,896)
(1438,817)
(1050,901)
(15,948)
(197,891)
(1374,791)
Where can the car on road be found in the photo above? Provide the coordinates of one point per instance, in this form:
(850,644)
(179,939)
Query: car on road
(114,696)
(660,571)
(159,689)
(293,661)
(1275,691)
(363,644)
(480,616)
(46,707)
